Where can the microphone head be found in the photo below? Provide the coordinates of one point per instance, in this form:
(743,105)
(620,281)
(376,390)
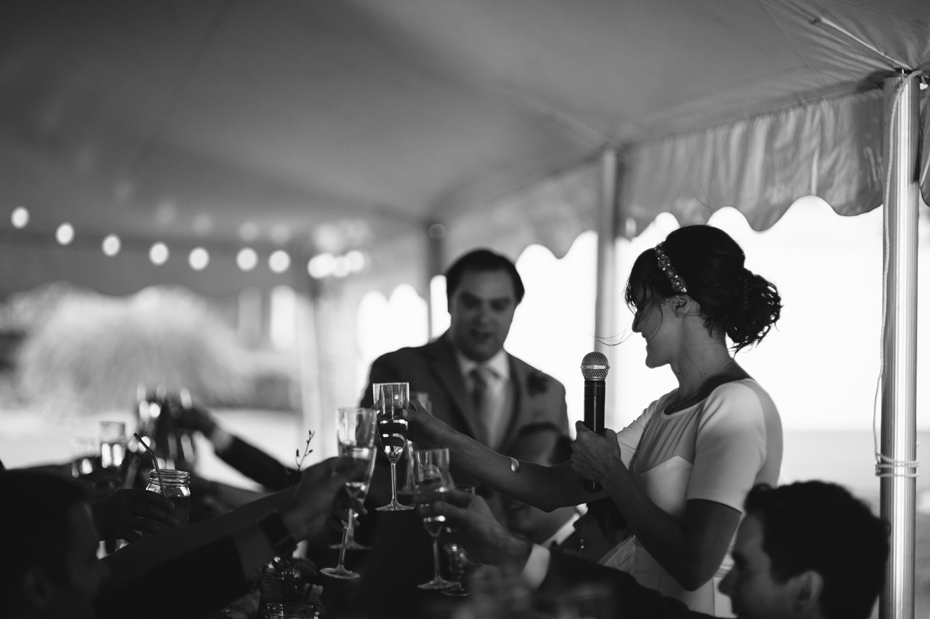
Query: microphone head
(594,366)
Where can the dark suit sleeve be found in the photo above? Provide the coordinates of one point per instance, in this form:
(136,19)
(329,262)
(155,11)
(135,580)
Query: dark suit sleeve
(630,600)
(258,466)
(192,586)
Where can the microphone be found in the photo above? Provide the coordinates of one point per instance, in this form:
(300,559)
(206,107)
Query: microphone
(594,368)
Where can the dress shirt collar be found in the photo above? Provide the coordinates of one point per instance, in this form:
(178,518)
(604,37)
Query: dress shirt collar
(498,364)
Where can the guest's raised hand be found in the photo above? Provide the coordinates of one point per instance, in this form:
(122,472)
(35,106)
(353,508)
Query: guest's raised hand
(197,418)
(339,513)
(127,513)
(313,500)
(483,536)
(424,429)
(595,457)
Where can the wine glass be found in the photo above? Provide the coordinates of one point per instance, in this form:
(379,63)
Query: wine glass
(431,478)
(355,430)
(391,399)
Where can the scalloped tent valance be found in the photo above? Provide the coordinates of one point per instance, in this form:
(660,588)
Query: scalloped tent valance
(831,148)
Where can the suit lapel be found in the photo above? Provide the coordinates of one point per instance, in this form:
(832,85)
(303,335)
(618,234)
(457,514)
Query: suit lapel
(445,369)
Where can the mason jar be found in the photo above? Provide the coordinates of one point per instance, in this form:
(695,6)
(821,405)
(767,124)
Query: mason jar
(176,486)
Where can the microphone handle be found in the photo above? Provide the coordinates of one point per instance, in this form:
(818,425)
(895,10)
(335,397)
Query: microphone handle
(594,396)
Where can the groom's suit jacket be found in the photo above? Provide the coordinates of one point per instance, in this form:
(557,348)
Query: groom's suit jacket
(434,369)
(401,551)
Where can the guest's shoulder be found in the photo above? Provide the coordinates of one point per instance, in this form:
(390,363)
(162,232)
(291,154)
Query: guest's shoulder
(409,353)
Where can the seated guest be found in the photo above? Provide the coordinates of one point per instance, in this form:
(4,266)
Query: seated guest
(808,550)
(49,566)
(123,514)
(542,443)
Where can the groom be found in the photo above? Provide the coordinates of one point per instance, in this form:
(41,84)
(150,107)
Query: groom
(474,385)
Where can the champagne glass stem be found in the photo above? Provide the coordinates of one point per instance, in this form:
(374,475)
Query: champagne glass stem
(342,550)
(349,533)
(340,571)
(436,576)
(393,482)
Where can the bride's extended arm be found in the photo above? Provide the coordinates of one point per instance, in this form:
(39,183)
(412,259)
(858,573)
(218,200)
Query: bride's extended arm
(544,487)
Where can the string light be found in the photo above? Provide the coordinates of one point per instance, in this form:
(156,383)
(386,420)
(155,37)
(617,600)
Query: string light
(356,260)
(20,217)
(158,254)
(199,258)
(341,267)
(64,234)
(279,261)
(247,259)
(111,245)
(321,266)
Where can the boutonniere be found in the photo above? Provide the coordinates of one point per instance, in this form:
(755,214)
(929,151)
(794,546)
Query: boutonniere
(537,383)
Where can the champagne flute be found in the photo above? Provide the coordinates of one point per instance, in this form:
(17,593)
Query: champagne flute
(391,399)
(355,430)
(348,540)
(423,399)
(431,478)
(458,557)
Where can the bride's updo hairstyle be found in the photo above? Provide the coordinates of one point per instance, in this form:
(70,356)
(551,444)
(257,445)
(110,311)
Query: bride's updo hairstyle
(707,265)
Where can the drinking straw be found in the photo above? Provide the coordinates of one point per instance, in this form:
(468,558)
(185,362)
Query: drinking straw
(161,484)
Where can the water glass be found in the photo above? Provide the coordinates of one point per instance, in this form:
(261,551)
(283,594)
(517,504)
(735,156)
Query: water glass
(85,456)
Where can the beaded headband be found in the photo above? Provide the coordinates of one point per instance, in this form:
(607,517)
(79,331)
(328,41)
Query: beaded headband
(678,284)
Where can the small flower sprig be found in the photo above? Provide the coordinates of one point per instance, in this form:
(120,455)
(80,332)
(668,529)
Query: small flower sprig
(298,458)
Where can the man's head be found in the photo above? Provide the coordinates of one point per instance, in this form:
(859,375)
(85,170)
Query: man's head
(483,290)
(48,565)
(808,549)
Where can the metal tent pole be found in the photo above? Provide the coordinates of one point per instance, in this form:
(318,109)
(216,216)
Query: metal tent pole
(899,343)
(605,306)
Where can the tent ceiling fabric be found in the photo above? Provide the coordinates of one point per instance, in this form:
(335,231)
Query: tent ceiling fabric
(350,121)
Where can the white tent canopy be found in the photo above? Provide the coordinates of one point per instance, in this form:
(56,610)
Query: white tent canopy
(342,122)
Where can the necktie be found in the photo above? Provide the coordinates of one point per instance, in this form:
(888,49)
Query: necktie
(481,401)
